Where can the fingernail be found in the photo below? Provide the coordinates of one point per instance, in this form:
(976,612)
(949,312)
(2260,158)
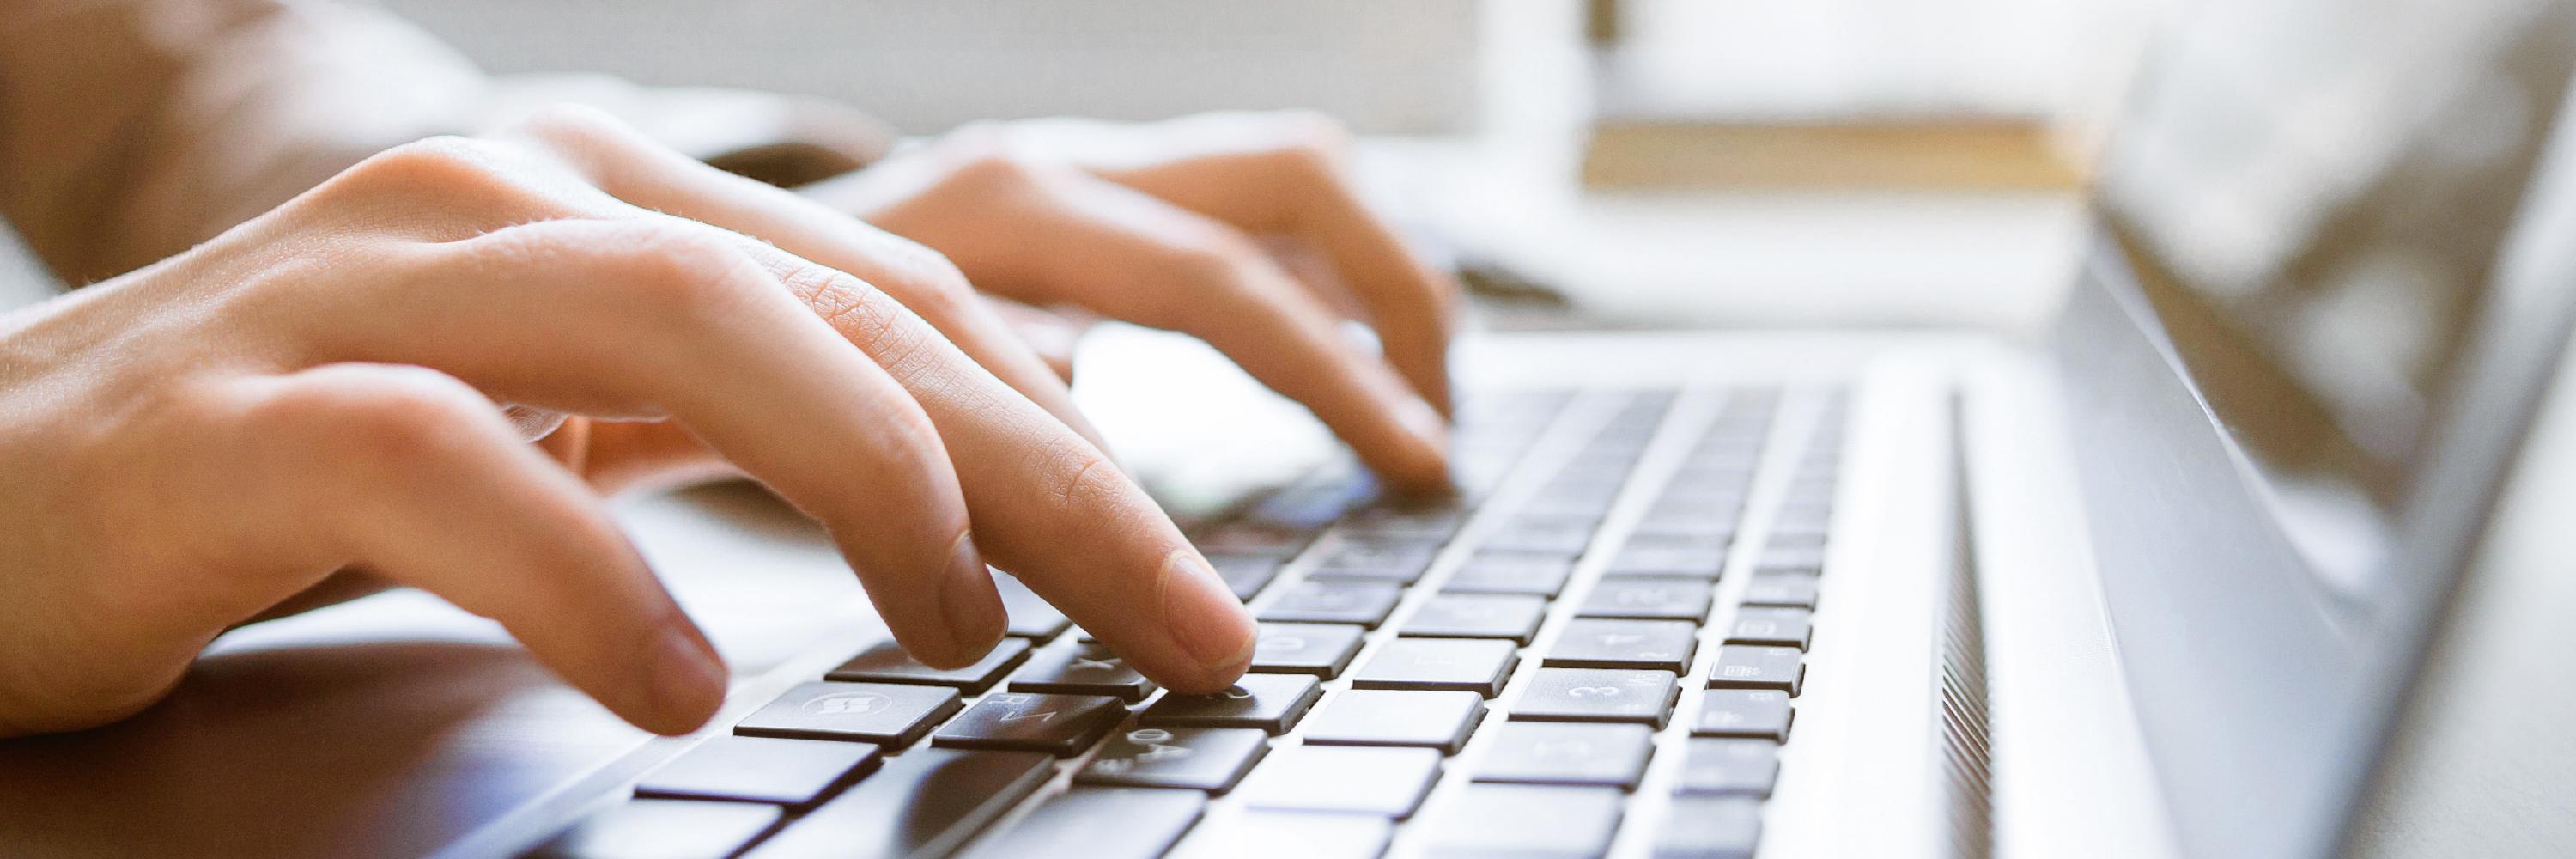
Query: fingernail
(688,680)
(1203,613)
(968,601)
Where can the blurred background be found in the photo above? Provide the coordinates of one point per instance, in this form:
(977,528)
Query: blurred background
(1650,162)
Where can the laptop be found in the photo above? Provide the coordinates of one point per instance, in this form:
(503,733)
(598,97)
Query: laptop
(2159,585)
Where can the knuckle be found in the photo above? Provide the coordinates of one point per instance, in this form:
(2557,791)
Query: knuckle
(432,165)
(1089,484)
(395,416)
(572,123)
(682,272)
(1312,138)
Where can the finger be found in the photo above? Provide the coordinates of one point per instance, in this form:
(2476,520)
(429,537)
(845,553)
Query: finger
(418,477)
(1131,256)
(1048,505)
(1283,173)
(634,169)
(661,316)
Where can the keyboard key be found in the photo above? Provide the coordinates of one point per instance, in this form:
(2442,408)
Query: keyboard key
(1100,823)
(887,663)
(1031,616)
(1598,695)
(1394,560)
(1713,765)
(662,829)
(1478,665)
(1681,526)
(1385,717)
(1788,627)
(1288,835)
(1512,616)
(1251,539)
(1610,643)
(1427,520)
(1271,702)
(886,714)
(1060,725)
(1794,590)
(1755,666)
(926,802)
(1560,535)
(1552,753)
(1755,713)
(1709,827)
(1358,601)
(1523,820)
(760,769)
(1810,559)
(1649,598)
(1384,782)
(1088,669)
(1205,759)
(1512,573)
(1653,560)
(1246,574)
(1320,649)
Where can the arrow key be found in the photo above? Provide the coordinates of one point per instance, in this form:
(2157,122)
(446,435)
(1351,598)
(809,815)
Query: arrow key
(1061,725)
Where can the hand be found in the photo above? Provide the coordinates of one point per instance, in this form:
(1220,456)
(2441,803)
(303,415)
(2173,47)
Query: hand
(1198,225)
(189,444)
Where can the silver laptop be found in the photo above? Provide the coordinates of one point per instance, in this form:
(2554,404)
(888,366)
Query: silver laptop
(2157,586)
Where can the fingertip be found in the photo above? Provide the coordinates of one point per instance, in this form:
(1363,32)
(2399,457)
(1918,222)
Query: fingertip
(1209,623)
(687,680)
(971,606)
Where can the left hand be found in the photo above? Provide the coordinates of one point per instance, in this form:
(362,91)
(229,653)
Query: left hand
(1240,228)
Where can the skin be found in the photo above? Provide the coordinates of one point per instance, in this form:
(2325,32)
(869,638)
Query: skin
(427,369)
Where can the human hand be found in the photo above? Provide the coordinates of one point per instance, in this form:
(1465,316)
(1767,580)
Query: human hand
(189,444)
(1182,225)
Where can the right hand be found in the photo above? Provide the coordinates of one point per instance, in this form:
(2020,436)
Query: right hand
(189,444)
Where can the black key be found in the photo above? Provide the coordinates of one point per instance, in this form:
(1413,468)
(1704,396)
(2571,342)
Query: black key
(1756,666)
(1252,539)
(1512,573)
(1649,598)
(1788,627)
(1246,574)
(1271,702)
(1524,820)
(1386,717)
(1794,590)
(1305,508)
(1661,560)
(927,802)
(1423,520)
(659,828)
(1304,835)
(1206,759)
(1608,643)
(1384,782)
(1320,649)
(1060,725)
(1088,669)
(887,663)
(1479,665)
(1709,827)
(1512,616)
(1358,601)
(886,714)
(1551,753)
(1394,560)
(1712,765)
(1755,713)
(1598,695)
(1031,616)
(1100,823)
(1561,535)
(760,769)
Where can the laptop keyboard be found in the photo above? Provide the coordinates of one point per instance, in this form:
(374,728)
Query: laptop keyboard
(1516,670)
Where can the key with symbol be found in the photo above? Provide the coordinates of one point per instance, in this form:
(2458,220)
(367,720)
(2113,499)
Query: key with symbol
(1649,598)
(1479,665)
(1208,759)
(1512,573)
(1088,669)
(1060,725)
(883,713)
(1271,702)
(1789,627)
(1320,649)
(1609,643)
(1359,601)
(887,663)
(1753,666)
(1598,695)
(1512,616)
(1553,753)
(1757,713)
